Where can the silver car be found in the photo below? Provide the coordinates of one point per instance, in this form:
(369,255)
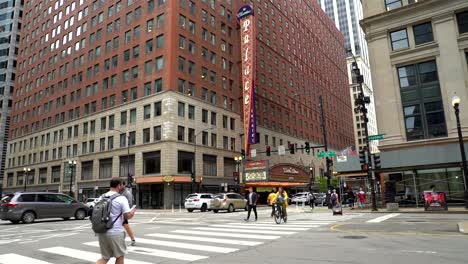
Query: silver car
(228,201)
(28,206)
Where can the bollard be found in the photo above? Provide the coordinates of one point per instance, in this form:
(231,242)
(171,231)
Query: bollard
(180,208)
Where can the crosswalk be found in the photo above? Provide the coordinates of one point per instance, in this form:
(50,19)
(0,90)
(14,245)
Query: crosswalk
(186,244)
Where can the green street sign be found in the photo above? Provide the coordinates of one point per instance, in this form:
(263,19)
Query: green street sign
(326,154)
(376,137)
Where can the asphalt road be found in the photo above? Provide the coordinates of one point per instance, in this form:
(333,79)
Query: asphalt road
(182,237)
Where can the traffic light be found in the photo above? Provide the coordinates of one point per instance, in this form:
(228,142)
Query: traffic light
(362,156)
(376,161)
(268,150)
(365,167)
(130,179)
(291,148)
(329,162)
(243,153)
(192,178)
(307,147)
(236,177)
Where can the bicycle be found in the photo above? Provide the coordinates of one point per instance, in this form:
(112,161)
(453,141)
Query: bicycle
(278,214)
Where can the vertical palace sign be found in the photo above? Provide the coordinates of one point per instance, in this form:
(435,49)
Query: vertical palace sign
(246,21)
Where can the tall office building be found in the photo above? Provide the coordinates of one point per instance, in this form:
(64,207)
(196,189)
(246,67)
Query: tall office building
(152,89)
(418,51)
(346,14)
(10,25)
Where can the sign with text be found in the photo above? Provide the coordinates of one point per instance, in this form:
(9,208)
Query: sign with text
(326,154)
(246,21)
(376,137)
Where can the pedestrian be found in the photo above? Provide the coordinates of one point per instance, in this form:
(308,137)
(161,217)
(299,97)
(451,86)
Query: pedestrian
(252,203)
(112,243)
(127,192)
(334,198)
(281,197)
(270,200)
(351,198)
(311,200)
(362,198)
(328,199)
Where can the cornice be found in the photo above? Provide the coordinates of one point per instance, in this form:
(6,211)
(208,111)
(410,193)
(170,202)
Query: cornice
(411,54)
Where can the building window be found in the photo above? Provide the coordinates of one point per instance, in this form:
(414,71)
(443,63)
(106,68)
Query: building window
(422,101)
(423,33)
(56,173)
(181,109)
(191,112)
(204,138)
(86,170)
(209,165)
(191,135)
(399,39)
(185,162)
(146,135)
(132,138)
(214,140)
(152,163)
(157,133)
(147,112)
(157,109)
(123,118)
(462,20)
(204,116)
(110,143)
(180,133)
(132,116)
(125,166)
(105,168)
(392,4)
(213,118)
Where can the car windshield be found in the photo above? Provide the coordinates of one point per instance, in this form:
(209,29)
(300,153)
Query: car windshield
(191,196)
(6,199)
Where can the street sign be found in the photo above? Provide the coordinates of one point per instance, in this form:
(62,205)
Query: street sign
(281,150)
(323,154)
(253,153)
(341,158)
(376,137)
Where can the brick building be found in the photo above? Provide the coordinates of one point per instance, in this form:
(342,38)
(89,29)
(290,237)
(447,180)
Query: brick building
(152,88)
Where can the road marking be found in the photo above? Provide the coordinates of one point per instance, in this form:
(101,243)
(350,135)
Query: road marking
(42,237)
(262,227)
(383,218)
(84,255)
(8,229)
(15,259)
(152,219)
(285,225)
(8,241)
(355,231)
(208,239)
(419,251)
(185,245)
(225,234)
(157,252)
(226,229)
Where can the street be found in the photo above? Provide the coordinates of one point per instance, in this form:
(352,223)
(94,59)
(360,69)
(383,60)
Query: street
(307,237)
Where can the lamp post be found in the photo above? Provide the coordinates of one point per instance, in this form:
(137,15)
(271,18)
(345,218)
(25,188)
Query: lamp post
(129,176)
(26,176)
(238,160)
(194,172)
(72,166)
(456,104)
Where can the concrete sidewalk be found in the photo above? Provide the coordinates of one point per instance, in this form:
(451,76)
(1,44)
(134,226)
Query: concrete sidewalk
(420,210)
(463,227)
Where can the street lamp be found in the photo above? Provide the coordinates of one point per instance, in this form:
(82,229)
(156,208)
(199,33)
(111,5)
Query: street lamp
(72,166)
(238,160)
(26,176)
(129,176)
(456,104)
(194,172)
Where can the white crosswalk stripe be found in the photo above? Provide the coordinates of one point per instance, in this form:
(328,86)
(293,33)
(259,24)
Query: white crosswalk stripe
(15,259)
(198,241)
(208,239)
(157,252)
(85,255)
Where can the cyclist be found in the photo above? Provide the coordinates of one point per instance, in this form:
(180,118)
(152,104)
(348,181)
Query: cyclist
(282,198)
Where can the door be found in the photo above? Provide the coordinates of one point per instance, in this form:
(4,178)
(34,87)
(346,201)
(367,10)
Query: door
(69,205)
(48,205)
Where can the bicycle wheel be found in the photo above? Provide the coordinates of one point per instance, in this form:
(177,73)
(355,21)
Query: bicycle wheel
(278,215)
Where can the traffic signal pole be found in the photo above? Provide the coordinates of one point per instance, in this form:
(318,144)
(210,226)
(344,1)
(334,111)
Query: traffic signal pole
(324,133)
(361,102)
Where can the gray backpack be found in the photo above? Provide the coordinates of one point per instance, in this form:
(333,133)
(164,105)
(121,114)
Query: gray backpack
(100,219)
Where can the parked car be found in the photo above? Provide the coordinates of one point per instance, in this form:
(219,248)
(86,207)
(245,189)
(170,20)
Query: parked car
(200,201)
(302,197)
(28,206)
(91,202)
(228,201)
(319,199)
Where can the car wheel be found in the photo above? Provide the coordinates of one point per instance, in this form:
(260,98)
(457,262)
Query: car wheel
(80,214)
(215,211)
(231,208)
(66,218)
(204,207)
(15,221)
(28,217)
(190,210)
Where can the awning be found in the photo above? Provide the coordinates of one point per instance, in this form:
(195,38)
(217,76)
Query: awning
(275,184)
(357,174)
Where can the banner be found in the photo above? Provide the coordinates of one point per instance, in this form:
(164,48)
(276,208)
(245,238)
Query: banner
(434,201)
(246,21)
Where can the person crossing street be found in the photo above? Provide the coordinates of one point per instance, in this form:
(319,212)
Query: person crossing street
(252,199)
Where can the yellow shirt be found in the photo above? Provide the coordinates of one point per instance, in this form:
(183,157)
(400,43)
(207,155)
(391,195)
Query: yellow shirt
(271,198)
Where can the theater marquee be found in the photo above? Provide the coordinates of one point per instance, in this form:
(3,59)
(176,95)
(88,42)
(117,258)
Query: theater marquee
(246,20)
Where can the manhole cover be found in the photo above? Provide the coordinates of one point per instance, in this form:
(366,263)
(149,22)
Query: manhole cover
(354,237)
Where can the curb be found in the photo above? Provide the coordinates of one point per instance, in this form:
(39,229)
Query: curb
(463,227)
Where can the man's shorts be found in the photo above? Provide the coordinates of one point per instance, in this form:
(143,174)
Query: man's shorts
(112,245)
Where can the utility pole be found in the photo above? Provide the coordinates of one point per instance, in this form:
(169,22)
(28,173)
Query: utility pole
(328,161)
(361,103)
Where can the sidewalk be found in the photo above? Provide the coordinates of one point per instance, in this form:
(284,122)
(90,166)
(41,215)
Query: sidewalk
(410,210)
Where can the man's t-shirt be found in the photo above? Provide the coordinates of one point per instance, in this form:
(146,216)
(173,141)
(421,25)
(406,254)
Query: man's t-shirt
(119,207)
(127,193)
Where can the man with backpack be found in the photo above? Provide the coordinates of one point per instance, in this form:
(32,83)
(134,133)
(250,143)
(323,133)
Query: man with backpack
(107,222)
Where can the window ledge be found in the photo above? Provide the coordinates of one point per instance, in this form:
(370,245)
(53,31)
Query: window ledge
(418,48)
(463,37)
